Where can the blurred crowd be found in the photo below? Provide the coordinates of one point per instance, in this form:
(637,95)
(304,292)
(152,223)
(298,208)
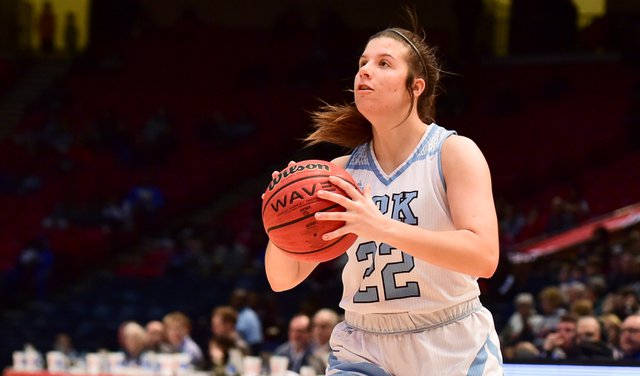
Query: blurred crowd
(236,332)
(579,305)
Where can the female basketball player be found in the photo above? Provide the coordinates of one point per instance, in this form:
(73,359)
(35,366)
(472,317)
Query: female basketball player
(426,225)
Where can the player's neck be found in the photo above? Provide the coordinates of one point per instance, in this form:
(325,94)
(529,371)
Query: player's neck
(393,146)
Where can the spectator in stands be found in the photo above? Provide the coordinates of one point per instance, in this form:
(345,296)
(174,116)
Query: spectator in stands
(524,324)
(249,325)
(574,291)
(524,350)
(590,339)
(134,340)
(155,335)
(299,348)
(581,307)
(560,344)
(626,302)
(226,359)
(552,306)
(178,330)
(612,324)
(630,337)
(322,324)
(64,344)
(223,324)
(120,334)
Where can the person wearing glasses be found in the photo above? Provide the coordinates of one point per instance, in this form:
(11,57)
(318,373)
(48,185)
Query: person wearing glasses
(630,337)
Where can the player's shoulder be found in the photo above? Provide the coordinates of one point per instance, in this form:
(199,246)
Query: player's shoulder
(457,143)
(461,152)
(341,161)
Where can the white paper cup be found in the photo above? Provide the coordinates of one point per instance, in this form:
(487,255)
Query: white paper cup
(251,365)
(150,362)
(19,361)
(116,362)
(183,361)
(56,361)
(278,365)
(32,361)
(94,363)
(307,371)
(166,364)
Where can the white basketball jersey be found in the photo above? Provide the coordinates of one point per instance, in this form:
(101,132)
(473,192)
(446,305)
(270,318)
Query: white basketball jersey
(378,278)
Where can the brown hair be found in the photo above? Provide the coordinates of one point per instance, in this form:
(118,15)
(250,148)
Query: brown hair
(553,295)
(228,314)
(345,126)
(178,318)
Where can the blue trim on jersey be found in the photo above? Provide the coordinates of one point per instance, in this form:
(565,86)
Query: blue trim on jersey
(338,367)
(444,183)
(371,164)
(477,367)
(362,157)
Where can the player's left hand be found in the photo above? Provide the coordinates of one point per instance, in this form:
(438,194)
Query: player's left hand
(362,217)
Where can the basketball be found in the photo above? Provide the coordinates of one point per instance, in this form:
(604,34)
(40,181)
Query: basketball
(289,204)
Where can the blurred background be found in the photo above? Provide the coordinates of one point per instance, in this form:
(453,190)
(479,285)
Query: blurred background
(136,137)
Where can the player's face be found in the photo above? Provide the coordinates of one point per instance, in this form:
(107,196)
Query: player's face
(380,84)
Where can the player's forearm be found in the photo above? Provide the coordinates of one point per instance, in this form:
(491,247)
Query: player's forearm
(459,250)
(284,272)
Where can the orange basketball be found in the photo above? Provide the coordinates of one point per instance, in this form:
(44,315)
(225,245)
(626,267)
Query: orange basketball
(289,204)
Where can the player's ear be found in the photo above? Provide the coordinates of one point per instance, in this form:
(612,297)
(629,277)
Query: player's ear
(419,86)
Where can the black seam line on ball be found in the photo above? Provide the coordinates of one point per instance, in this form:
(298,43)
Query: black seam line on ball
(298,219)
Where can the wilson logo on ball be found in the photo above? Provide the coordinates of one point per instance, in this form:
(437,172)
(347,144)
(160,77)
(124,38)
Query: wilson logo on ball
(297,168)
(289,206)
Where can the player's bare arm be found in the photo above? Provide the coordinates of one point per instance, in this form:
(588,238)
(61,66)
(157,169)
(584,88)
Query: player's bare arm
(284,272)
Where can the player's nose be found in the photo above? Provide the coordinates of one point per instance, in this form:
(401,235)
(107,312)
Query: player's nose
(364,70)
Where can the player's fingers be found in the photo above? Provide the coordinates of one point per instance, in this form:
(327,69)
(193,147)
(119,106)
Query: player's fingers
(334,197)
(291,163)
(349,189)
(334,234)
(331,216)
